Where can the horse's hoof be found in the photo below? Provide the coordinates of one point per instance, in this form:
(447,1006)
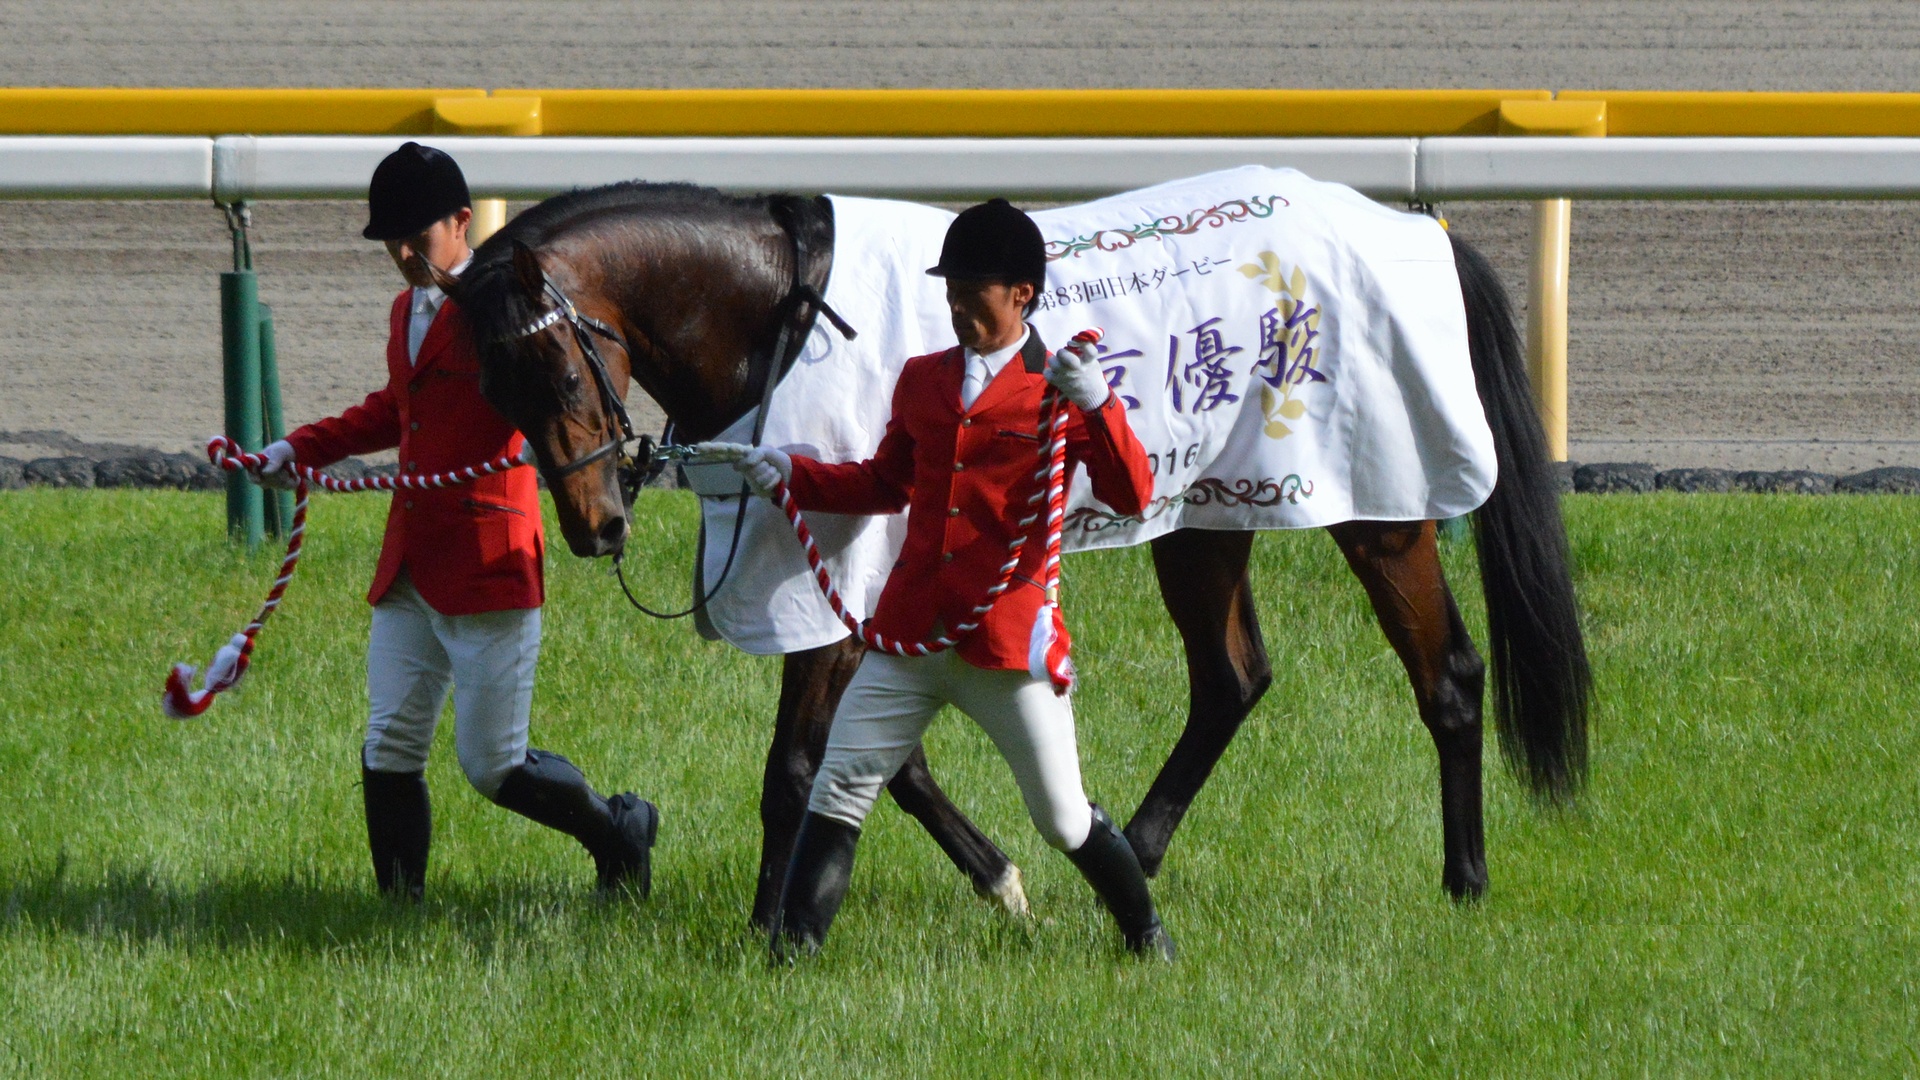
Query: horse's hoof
(1465,888)
(1008,892)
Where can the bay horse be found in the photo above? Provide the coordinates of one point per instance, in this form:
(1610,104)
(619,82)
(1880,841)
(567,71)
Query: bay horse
(701,297)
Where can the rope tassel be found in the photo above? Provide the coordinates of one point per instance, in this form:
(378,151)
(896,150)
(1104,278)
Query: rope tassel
(178,699)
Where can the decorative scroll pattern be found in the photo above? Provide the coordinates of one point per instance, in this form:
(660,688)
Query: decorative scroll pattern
(1266,491)
(1213,217)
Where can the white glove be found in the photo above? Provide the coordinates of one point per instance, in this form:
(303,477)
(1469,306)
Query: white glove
(525,457)
(761,466)
(278,471)
(764,467)
(1075,372)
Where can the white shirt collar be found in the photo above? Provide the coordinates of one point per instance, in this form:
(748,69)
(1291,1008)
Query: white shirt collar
(427,300)
(998,358)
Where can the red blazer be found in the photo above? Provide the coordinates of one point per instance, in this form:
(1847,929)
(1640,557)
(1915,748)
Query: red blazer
(965,477)
(469,548)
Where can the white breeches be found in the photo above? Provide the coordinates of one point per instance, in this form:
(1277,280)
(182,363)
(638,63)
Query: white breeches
(892,699)
(414,653)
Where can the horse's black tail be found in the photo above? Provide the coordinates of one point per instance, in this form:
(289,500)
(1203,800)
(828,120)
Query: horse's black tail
(1541,681)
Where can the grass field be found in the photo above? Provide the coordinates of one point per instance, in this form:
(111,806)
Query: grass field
(1738,894)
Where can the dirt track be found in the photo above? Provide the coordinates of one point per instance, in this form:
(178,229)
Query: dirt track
(1747,335)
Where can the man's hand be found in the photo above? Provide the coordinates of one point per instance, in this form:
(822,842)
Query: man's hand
(1075,372)
(761,466)
(278,471)
(525,456)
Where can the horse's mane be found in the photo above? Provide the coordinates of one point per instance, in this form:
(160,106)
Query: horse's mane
(489,293)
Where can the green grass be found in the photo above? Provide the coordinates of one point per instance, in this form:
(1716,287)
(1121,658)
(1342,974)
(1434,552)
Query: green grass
(1736,896)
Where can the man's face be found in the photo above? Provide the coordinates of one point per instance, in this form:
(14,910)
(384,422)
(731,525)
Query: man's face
(987,315)
(443,243)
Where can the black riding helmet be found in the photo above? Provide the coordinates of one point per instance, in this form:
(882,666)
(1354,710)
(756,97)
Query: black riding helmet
(412,188)
(994,241)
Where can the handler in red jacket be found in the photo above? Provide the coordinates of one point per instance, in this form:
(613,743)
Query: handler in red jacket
(960,455)
(456,595)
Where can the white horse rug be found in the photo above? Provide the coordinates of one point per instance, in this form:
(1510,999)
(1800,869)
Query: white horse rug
(1291,354)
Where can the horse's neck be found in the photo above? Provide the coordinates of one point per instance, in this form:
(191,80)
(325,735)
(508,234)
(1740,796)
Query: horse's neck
(701,295)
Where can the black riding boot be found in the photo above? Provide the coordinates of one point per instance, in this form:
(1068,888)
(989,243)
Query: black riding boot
(816,883)
(1108,863)
(399,830)
(618,832)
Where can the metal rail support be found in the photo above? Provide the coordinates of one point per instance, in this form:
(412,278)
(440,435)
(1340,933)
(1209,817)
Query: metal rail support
(240,369)
(250,378)
(1547,318)
(489,215)
(1547,270)
(279,510)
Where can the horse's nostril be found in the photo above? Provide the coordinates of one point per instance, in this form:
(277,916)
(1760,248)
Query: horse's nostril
(613,533)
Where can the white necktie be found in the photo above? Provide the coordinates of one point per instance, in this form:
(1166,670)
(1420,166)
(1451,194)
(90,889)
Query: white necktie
(424,309)
(976,380)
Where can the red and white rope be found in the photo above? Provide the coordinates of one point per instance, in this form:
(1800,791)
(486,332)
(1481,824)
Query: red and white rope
(1050,654)
(231,662)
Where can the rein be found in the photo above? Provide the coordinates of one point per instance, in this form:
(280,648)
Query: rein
(633,471)
(233,659)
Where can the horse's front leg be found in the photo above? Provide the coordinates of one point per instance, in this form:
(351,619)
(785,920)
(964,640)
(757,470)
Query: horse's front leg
(810,687)
(1203,581)
(993,875)
(1399,564)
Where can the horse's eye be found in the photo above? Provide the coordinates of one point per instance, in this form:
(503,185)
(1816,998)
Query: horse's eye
(572,381)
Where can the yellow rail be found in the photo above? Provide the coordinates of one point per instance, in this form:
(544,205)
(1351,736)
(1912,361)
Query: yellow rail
(951,113)
(926,113)
(1645,112)
(1030,113)
(88,111)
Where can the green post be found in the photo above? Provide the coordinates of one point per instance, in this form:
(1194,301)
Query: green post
(280,509)
(240,352)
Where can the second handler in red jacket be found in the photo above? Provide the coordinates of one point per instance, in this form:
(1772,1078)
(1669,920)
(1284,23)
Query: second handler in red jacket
(960,456)
(456,595)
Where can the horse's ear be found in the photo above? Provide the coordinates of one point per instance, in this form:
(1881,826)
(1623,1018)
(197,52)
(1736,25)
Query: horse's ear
(533,277)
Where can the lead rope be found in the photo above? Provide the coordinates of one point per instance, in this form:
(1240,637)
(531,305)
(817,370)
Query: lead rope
(177,699)
(1048,648)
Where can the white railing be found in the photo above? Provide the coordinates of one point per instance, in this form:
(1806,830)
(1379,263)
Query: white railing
(1549,171)
(236,168)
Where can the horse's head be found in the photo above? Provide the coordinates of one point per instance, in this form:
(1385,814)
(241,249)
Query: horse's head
(541,332)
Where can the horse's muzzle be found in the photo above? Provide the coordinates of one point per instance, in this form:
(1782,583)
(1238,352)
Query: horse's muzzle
(612,536)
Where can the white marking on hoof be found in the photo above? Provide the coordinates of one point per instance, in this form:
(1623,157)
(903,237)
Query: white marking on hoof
(1009,893)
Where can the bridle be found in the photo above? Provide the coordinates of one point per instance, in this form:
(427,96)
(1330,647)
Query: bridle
(633,470)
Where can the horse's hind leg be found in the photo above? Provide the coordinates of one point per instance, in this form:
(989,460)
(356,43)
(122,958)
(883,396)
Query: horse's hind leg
(810,688)
(1399,564)
(1203,581)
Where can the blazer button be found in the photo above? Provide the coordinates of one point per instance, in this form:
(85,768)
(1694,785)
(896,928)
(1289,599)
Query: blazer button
(415,426)
(411,467)
(948,557)
(968,422)
(953,511)
(409,504)
(959,466)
